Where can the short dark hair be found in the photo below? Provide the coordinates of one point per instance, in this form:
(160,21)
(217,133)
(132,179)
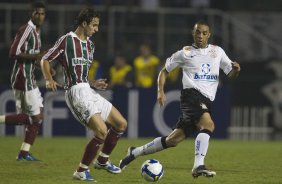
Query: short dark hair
(37,4)
(86,15)
(202,22)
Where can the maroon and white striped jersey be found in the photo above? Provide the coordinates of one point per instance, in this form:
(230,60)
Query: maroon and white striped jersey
(74,55)
(28,41)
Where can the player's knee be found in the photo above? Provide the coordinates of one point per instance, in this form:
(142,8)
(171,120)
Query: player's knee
(37,118)
(121,125)
(101,133)
(209,126)
(171,142)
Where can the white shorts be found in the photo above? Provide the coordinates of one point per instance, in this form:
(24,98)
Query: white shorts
(84,102)
(29,102)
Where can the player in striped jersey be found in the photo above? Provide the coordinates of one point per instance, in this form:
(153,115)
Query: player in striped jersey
(75,52)
(25,50)
(200,63)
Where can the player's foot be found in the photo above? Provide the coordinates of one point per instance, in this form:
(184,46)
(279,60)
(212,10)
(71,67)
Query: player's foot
(83,176)
(126,160)
(108,167)
(202,171)
(29,157)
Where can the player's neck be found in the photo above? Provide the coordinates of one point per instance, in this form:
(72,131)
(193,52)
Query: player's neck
(80,34)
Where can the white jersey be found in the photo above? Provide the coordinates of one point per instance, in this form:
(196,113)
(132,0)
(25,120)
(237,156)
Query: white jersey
(200,67)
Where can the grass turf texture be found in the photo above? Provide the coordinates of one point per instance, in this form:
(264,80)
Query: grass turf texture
(234,161)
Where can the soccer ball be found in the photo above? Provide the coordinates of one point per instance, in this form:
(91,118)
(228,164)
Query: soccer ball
(152,170)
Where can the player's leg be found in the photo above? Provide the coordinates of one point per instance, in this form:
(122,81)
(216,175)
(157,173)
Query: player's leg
(15,119)
(31,132)
(100,131)
(30,103)
(158,144)
(118,125)
(206,127)
(19,118)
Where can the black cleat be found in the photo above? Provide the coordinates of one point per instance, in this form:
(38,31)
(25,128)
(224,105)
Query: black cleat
(202,171)
(126,160)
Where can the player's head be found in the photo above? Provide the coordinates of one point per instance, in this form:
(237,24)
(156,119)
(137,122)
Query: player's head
(88,19)
(38,13)
(201,34)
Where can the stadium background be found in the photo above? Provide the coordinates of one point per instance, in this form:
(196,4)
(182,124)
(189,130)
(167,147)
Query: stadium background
(249,31)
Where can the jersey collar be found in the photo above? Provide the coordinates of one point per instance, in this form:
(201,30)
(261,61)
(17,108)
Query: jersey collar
(195,46)
(31,24)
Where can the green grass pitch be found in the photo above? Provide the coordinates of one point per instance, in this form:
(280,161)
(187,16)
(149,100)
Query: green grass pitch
(236,162)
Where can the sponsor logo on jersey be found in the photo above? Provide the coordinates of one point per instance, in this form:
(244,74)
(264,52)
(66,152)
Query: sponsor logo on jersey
(79,61)
(205,74)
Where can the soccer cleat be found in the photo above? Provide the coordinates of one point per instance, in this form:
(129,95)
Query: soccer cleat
(29,157)
(108,167)
(126,160)
(202,171)
(83,176)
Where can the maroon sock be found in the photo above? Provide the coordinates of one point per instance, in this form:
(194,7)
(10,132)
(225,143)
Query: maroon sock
(17,119)
(90,152)
(109,144)
(31,132)
(23,153)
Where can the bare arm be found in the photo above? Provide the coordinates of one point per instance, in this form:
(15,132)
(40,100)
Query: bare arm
(46,70)
(100,84)
(234,73)
(161,82)
(29,57)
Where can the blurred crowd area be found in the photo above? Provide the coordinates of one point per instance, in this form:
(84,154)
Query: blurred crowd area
(250,5)
(136,36)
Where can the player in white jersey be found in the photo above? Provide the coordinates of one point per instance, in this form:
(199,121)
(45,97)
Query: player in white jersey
(200,65)
(75,52)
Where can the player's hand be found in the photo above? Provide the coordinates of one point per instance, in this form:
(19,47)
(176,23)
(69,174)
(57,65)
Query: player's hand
(52,85)
(236,67)
(100,84)
(161,98)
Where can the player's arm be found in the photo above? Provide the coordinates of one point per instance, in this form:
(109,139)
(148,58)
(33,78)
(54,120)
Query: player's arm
(161,82)
(18,45)
(100,84)
(28,57)
(47,73)
(234,73)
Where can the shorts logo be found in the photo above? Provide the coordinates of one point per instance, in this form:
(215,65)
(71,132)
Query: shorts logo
(86,114)
(203,106)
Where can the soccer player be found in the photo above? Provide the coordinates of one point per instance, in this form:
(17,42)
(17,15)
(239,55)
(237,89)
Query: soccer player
(75,52)
(25,50)
(200,63)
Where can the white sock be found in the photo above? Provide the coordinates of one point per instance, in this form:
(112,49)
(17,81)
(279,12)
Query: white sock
(2,119)
(83,166)
(104,155)
(201,148)
(25,146)
(149,148)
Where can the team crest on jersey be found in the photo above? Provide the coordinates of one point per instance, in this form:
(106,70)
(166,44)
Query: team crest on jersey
(206,68)
(213,53)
